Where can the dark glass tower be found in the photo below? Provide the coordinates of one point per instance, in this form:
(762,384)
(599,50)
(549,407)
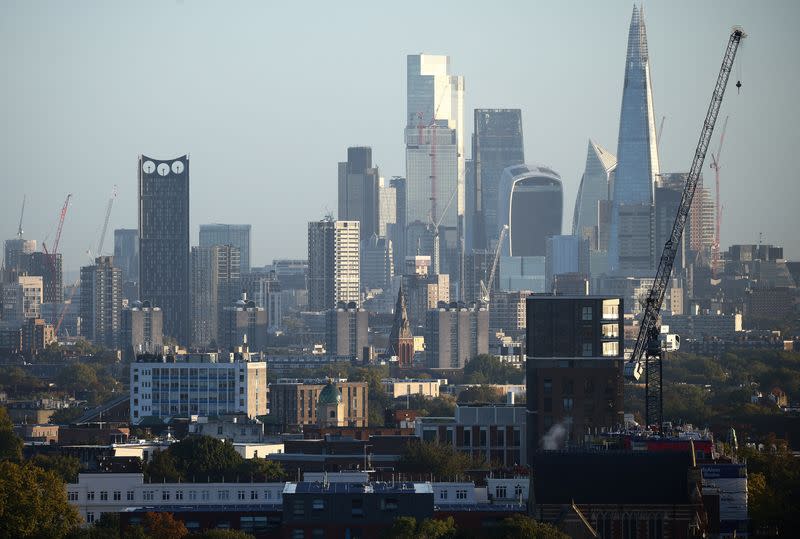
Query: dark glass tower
(637,153)
(164,241)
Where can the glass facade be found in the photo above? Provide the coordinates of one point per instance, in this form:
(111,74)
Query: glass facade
(637,151)
(236,235)
(595,186)
(164,241)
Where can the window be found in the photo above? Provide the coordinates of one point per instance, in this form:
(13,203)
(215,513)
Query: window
(586,313)
(240,495)
(389,504)
(129,495)
(610,331)
(90,496)
(588,386)
(501,492)
(567,403)
(461,494)
(610,349)
(72,496)
(482,438)
(357,508)
(588,349)
(178,494)
(610,309)
(298,509)
(318,533)
(318,504)
(192,495)
(547,386)
(89,517)
(517,491)
(267,494)
(467,437)
(443,494)
(117,495)
(223,495)
(253,494)
(568,387)
(298,534)
(501,436)
(205,495)
(164,495)
(147,495)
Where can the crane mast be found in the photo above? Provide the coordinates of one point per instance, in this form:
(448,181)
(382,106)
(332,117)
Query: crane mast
(715,164)
(647,354)
(486,289)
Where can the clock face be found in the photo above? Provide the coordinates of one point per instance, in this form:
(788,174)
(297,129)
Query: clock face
(148,167)
(177,167)
(163,169)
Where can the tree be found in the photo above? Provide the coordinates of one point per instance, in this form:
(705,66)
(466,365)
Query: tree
(261,470)
(65,416)
(403,528)
(408,528)
(65,467)
(223,534)
(33,503)
(10,443)
(164,526)
(163,467)
(483,394)
(441,461)
(522,527)
(487,369)
(135,532)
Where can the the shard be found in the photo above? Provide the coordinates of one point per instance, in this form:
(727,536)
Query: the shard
(637,154)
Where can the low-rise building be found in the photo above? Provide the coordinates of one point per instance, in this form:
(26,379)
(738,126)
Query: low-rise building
(233,428)
(295,402)
(402,387)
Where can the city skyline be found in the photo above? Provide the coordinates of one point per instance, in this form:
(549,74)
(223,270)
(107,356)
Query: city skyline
(79,126)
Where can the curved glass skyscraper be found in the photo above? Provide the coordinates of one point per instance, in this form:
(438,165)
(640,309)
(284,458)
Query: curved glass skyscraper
(637,155)
(594,187)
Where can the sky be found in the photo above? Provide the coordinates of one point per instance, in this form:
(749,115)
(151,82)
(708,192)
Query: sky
(266,97)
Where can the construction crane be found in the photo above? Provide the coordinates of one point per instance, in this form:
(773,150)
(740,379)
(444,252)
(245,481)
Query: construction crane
(647,354)
(21,214)
(660,132)
(67,302)
(486,289)
(51,256)
(715,165)
(105,223)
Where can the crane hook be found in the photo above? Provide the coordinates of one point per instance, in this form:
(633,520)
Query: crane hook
(738,86)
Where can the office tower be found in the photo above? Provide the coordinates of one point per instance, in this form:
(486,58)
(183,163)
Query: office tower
(101,302)
(22,299)
(204,296)
(424,289)
(164,241)
(565,254)
(522,273)
(401,339)
(236,235)
(126,252)
(198,384)
(668,192)
(292,274)
(594,188)
(333,263)
(507,313)
(49,268)
(142,330)
(472,208)
(530,203)
(229,289)
(387,208)
(636,249)
(574,365)
(496,144)
(398,235)
(347,332)
(434,136)
(13,251)
(243,323)
(637,156)
(455,334)
(702,214)
(358,190)
(477,269)
(377,264)
(264,289)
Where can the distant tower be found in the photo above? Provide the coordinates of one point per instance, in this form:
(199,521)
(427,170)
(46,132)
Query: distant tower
(333,263)
(401,340)
(637,165)
(101,301)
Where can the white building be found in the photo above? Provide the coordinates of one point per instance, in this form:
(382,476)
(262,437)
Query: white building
(334,263)
(207,384)
(402,387)
(23,299)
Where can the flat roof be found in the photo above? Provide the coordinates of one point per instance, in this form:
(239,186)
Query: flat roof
(361,488)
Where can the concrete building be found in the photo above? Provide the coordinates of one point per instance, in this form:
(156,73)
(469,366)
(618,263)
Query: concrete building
(13,251)
(101,302)
(22,299)
(197,384)
(347,331)
(507,313)
(50,268)
(36,336)
(142,330)
(333,263)
(454,334)
(223,234)
(477,268)
(397,232)
(358,190)
(230,428)
(216,285)
(243,323)
(397,388)
(424,291)
(522,273)
(164,241)
(293,402)
(387,208)
(574,368)
(565,254)
(377,263)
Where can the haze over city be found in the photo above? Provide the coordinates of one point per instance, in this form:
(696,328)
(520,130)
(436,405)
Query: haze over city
(267,98)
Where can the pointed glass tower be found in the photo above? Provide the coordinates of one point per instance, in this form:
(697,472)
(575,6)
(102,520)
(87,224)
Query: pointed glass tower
(595,186)
(637,153)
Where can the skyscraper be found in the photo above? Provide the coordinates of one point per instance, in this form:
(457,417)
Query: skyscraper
(595,184)
(333,263)
(398,230)
(126,253)
(496,144)
(216,285)
(358,190)
(530,201)
(49,268)
(222,234)
(637,153)
(101,302)
(13,254)
(434,136)
(164,241)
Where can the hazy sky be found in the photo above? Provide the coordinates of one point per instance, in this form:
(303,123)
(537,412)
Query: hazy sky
(266,97)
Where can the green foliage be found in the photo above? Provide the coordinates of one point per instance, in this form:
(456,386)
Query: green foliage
(135,532)
(522,527)
(65,416)
(164,526)
(378,399)
(408,528)
(487,369)
(65,467)
(686,404)
(18,383)
(33,503)
(90,381)
(106,527)
(482,394)
(223,534)
(203,458)
(441,461)
(773,484)
(442,406)
(10,443)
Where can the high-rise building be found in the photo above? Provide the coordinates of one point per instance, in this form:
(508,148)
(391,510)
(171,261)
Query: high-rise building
(101,302)
(49,268)
(594,188)
(13,251)
(216,285)
(333,263)
(358,190)
(455,334)
(496,144)
(22,299)
(703,216)
(377,263)
(507,313)
(164,241)
(126,252)
(387,208)
(401,339)
(243,323)
(424,290)
(574,366)
(142,330)
(530,203)
(264,289)
(566,254)
(434,138)
(637,154)
(668,192)
(477,269)
(398,235)
(236,235)
(347,331)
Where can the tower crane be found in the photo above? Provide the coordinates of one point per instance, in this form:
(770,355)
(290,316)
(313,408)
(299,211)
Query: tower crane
(647,354)
(715,165)
(21,214)
(486,289)
(51,256)
(105,223)
(660,132)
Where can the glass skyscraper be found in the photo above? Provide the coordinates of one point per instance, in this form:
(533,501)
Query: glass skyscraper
(595,185)
(637,153)
(222,234)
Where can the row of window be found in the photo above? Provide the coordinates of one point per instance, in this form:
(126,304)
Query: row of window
(178,494)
